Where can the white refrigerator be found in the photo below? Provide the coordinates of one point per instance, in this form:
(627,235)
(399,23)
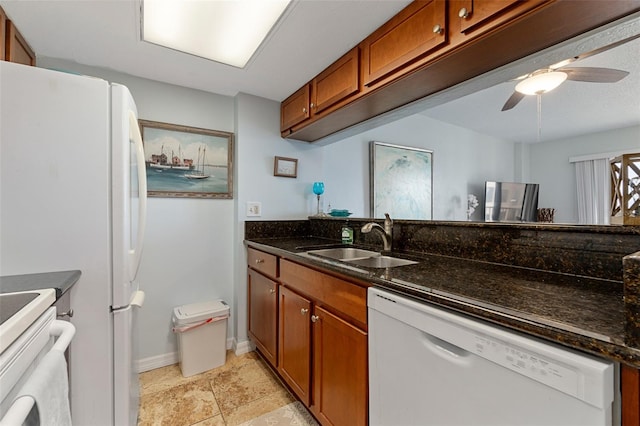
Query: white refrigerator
(73,196)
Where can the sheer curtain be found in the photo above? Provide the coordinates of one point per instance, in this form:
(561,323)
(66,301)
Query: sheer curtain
(593,180)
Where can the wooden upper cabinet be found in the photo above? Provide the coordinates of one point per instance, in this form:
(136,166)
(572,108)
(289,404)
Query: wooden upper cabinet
(3,33)
(295,109)
(487,14)
(337,82)
(415,31)
(16,47)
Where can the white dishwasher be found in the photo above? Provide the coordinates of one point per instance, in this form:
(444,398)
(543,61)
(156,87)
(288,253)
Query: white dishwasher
(429,366)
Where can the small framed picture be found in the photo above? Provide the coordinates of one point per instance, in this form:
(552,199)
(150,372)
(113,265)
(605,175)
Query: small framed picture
(285,167)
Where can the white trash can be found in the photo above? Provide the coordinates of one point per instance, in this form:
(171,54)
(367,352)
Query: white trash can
(202,335)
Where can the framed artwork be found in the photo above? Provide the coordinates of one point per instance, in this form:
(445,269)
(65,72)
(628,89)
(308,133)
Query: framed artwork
(187,162)
(401,181)
(286,167)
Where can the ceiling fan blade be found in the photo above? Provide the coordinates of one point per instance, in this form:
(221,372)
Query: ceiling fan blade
(594,75)
(513,101)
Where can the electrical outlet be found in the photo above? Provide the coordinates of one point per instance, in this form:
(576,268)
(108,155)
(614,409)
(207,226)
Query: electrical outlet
(254,208)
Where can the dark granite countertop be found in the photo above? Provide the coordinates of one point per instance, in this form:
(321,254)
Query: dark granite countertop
(61,281)
(579,312)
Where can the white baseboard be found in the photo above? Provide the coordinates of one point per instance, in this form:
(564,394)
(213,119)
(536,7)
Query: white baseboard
(243,347)
(151,363)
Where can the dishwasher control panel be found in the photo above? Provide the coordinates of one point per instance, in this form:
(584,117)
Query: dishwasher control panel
(530,364)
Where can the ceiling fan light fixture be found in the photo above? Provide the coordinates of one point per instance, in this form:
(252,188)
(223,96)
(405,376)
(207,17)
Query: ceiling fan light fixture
(538,84)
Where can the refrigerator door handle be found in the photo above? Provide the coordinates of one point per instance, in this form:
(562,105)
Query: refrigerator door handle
(136,137)
(138,299)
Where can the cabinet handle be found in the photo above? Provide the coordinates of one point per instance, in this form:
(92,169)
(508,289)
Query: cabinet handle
(437,29)
(303,311)
(271,291)
(69,314)
(463,13)
(314,318)
(258,261)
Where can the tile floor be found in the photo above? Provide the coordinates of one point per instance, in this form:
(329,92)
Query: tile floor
(241,390)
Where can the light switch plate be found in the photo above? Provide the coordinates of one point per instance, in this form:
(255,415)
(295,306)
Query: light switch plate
(254,208)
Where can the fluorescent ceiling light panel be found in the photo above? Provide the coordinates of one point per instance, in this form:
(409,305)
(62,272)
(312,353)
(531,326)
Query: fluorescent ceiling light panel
(227,31)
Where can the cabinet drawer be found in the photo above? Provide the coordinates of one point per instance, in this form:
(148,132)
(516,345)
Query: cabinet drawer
(263,262)
(346,297)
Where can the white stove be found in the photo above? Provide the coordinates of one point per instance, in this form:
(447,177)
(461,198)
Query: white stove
(29,332)
(19,310)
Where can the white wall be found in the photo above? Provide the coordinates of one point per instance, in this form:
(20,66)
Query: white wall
(462,161)
(258,141)
(550,167)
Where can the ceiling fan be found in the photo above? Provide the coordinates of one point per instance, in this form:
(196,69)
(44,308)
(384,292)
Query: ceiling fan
(547,79)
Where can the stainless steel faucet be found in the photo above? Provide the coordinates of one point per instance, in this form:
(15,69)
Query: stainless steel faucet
(386,232)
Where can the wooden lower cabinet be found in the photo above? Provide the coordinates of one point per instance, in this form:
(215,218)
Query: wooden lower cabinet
(294,360)
(339,371)
(630,393)
(263,314)
(322,343)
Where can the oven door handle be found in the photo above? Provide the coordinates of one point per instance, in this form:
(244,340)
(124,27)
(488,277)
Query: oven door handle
(64,331)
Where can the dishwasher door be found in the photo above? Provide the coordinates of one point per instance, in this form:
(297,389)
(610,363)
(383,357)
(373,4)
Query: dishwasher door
(429,366)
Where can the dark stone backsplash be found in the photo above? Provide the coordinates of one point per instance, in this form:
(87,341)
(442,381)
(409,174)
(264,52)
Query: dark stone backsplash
(593,251)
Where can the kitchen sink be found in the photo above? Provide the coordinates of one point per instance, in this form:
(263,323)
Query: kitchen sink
(344,253)
(382,262)
(356,256)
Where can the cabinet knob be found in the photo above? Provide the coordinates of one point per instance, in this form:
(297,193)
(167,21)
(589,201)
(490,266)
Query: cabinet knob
(303,311)
(437,29)
(463,13)
(304,109)
(69,314)
(258,261)
(314,318)
(271,291)
(312,105)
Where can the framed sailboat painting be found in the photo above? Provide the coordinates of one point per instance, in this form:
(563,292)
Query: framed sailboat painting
(187,162)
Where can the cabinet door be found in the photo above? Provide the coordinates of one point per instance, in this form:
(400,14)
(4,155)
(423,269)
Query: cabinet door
(3,34)
(630,395)
(416,30)
(17,49)
(294,355)
(339,371)
(476,13)
(295,109)
(263,314)
(337,82)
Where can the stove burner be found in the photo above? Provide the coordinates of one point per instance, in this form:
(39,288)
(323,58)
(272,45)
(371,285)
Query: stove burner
(10,304)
